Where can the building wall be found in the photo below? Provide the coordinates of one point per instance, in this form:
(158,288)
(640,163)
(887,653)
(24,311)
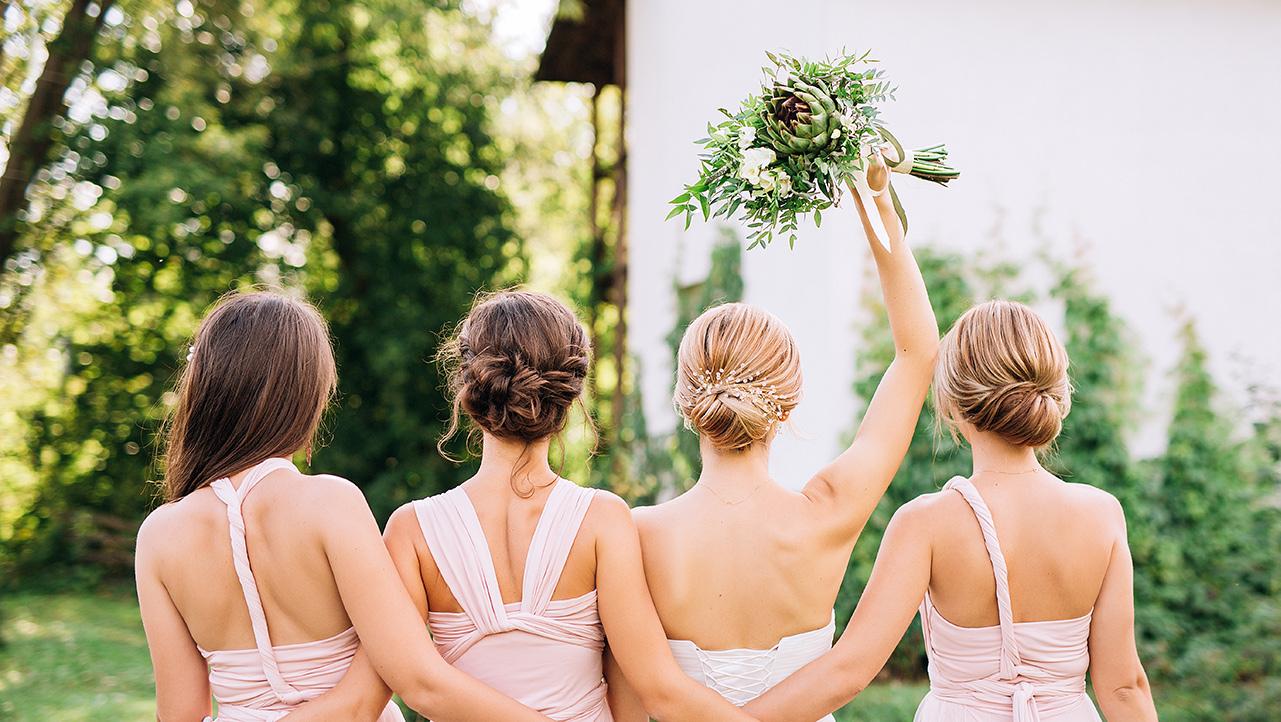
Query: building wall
(1137,136)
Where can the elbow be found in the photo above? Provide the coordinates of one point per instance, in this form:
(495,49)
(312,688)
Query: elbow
(1131,693)
(660,704)
(425,695)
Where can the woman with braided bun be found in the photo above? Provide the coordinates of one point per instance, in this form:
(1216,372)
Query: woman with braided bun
(744,572)
(519,573)
(1024,582)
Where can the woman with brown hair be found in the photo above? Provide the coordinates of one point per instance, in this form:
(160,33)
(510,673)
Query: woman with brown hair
(521,574)
(1024,582)
(260,374)
(744,572)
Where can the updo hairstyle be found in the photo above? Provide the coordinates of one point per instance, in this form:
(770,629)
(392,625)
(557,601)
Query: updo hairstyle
(1002,369)
(738,375)
(258,378)
(517,364)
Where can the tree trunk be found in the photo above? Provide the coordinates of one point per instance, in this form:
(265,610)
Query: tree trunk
(31,144)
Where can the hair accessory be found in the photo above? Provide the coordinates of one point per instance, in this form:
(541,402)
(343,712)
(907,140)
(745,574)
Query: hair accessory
(740,381)
(191,353)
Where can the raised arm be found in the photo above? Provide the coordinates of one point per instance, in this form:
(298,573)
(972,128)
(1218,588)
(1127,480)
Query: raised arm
(635,635)
(1120,684)
(894,591)
(392,632)
(852,485)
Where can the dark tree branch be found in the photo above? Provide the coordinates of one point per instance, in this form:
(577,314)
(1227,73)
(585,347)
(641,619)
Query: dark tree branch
(34,139)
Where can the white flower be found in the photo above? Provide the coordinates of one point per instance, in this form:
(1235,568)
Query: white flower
(746,137)
(836,134)
(769,181)
(754,161)
(784,185)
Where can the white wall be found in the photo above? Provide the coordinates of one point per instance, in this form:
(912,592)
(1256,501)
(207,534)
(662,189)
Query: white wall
(1143,134)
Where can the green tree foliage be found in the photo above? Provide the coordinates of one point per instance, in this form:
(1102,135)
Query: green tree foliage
(1215,560)
(176,200)
(381,120)
(339,148)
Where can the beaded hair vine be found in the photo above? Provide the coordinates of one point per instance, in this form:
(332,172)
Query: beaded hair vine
(740,380)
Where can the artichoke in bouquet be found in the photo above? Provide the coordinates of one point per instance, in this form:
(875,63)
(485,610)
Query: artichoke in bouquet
(791,149)
(800,117)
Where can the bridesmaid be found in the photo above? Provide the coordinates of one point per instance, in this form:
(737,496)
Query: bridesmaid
(744,572)
(521,574)
(258,379)
(1024,582)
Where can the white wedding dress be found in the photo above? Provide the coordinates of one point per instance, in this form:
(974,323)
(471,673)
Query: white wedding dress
(742,675)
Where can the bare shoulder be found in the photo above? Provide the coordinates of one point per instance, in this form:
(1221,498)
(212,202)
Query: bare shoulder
(927,511)
(1096,502)
(163,523)
(403,524)
(608,507)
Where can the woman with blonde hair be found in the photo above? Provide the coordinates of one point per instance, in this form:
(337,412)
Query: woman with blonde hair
(257,582)
(743,571)
(520,574)
(1024,582)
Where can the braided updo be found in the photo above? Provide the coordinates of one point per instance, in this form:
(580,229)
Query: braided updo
(1002,369)
(517,364)
(738,375)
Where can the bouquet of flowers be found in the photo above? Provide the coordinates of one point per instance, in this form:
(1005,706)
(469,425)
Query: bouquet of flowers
(788,151)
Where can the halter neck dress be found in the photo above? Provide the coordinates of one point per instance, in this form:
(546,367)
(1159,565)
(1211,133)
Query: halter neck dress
(1012,672)
(545,654)
(266,683)
(742,675)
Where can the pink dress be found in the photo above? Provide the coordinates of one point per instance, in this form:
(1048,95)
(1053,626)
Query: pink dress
(1013,672)
(545,654)
(266,683)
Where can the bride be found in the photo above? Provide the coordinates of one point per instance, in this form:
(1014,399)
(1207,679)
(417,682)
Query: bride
(744,572)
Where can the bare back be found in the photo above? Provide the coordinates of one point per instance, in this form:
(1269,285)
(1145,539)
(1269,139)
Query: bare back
(1057,539)
(508,523)
(742,576)
(191,548)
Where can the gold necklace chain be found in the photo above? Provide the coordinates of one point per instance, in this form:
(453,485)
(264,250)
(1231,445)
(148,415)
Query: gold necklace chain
(730,503)
(1009,473)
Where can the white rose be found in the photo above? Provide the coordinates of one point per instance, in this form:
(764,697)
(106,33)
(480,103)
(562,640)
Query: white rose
(746,137)
(754,161)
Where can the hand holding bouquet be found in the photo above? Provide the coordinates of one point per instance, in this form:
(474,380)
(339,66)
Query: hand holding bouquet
(788,151)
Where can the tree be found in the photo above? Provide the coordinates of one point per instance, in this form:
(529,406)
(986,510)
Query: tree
(381,120)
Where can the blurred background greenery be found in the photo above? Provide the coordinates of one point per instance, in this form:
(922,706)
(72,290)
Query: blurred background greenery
(388,160)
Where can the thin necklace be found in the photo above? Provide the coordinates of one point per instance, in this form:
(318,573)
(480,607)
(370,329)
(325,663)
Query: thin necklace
(1010,473)
(726,502)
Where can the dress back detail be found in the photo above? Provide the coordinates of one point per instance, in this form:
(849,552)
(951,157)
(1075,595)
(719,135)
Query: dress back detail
(742,675)
(264,684)
(1024,672)
(545,654)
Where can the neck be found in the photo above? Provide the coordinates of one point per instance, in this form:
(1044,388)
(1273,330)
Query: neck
(516,463)
(994,454)
(725,469)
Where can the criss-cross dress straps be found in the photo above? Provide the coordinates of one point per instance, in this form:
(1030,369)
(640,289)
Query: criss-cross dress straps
(234,499)
(1010,657)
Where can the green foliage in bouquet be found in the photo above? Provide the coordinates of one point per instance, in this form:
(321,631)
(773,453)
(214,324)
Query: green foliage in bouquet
(791,148)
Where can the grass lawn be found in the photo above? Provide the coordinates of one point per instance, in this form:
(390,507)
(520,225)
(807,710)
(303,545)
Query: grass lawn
(884,702)
(73,657)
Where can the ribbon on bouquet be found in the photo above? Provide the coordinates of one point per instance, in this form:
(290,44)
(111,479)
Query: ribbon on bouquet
(898,160)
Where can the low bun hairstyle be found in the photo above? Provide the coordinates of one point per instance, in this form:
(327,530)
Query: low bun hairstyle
(517,364)
(1002,369)
(738,375)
